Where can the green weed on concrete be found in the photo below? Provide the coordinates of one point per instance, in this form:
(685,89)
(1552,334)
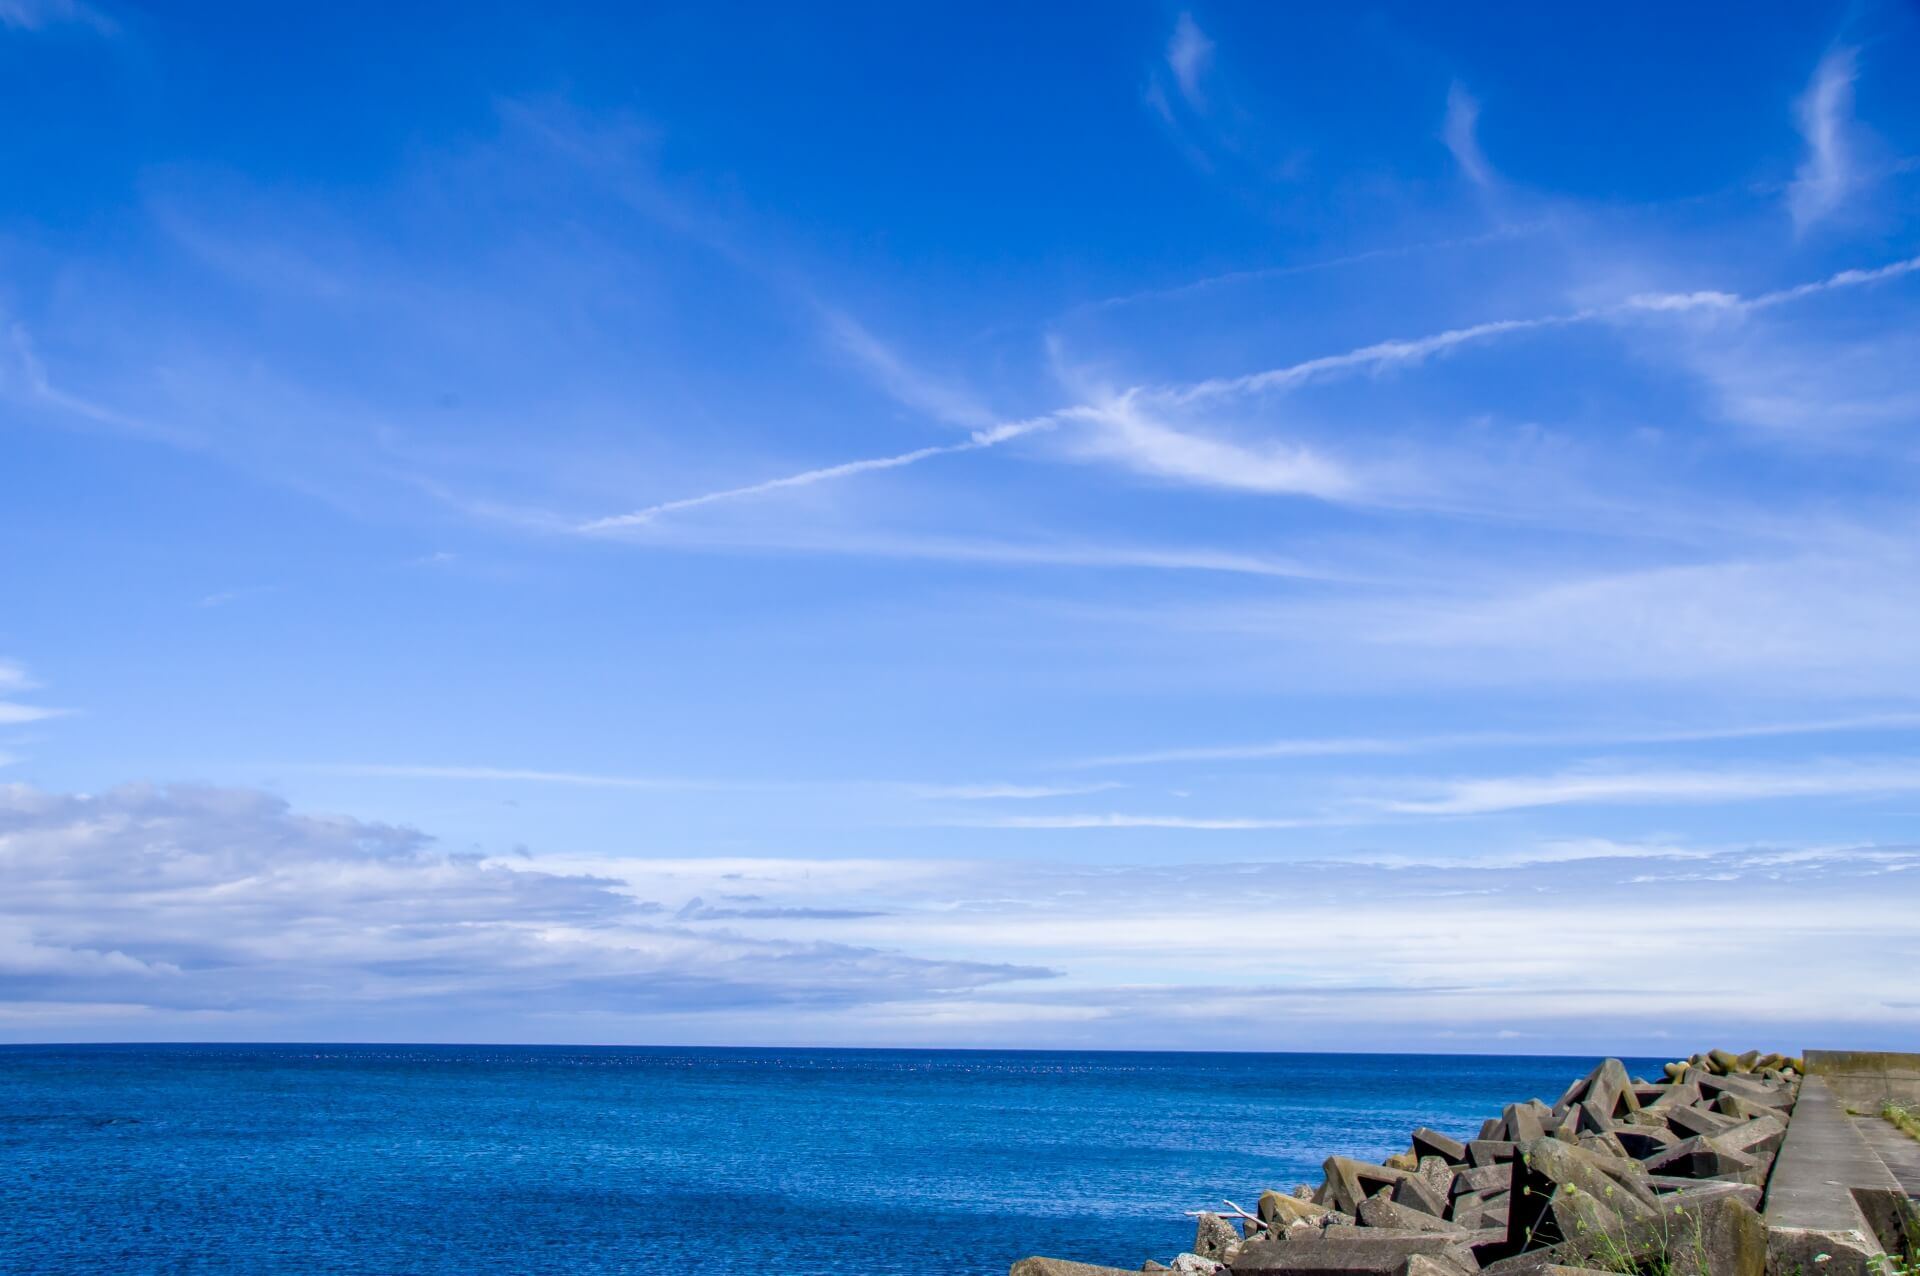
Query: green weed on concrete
(1906,1120)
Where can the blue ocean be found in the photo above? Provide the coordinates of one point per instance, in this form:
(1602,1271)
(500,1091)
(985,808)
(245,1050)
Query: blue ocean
(432,1159)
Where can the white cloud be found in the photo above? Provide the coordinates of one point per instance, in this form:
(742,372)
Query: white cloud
(1821,620)
(1129,434)
(1834,619)
(1297,748)
(225,596)
(1126,434)
(1808,382)
(185,899)
(503,775)
(196,912)
(807,880)
(1253,954)
(1350,746)
(1681,302)
(1115,556)
(1189,54)
(908,385)
(30,372)
(1656,787)
(1459,133)
(1808,389)
(995,792)
(1824,114)
(1195,823)
(1193,452)
(15,712)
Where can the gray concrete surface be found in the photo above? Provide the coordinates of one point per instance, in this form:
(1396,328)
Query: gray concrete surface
(1815,1224)
(1868,1078)
(1899,1152)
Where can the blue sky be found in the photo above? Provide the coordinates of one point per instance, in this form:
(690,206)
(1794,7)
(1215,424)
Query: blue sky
(1241,527)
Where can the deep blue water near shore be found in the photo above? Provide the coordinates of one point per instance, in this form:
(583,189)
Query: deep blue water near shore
(404,1159)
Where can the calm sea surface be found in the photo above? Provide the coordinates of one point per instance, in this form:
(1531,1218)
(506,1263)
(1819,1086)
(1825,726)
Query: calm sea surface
(403,1159)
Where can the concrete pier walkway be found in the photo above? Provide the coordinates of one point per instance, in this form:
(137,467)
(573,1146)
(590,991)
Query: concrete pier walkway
(1845,1184)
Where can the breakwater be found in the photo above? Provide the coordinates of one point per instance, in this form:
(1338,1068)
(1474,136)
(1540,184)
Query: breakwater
(1663,1178)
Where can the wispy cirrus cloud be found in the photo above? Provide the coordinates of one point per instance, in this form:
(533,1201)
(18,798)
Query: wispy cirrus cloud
(1593,784)
(1189,55)
(1824,115)
(1853,778)
(1176,92)
(781,536)
(1139,437)
(963,792)
(1826,619)
(1835,618)
(1461,135)
(1808,390)
(1353,746)
(15,711)
(1007,792)
(1383,803)
(907,384)
(503,775)
(40,15)
(1116,556)
(1130,820)
(1127,433)
(224,597)
(1803,382)
(1266,274)
(25,374)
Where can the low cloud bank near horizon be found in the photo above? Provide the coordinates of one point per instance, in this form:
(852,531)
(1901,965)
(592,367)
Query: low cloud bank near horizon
(209,910)
(193,913)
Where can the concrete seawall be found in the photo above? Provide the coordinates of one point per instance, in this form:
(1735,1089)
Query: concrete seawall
(1868,1078)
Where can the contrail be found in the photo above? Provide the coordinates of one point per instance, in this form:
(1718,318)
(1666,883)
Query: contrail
(980,439)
